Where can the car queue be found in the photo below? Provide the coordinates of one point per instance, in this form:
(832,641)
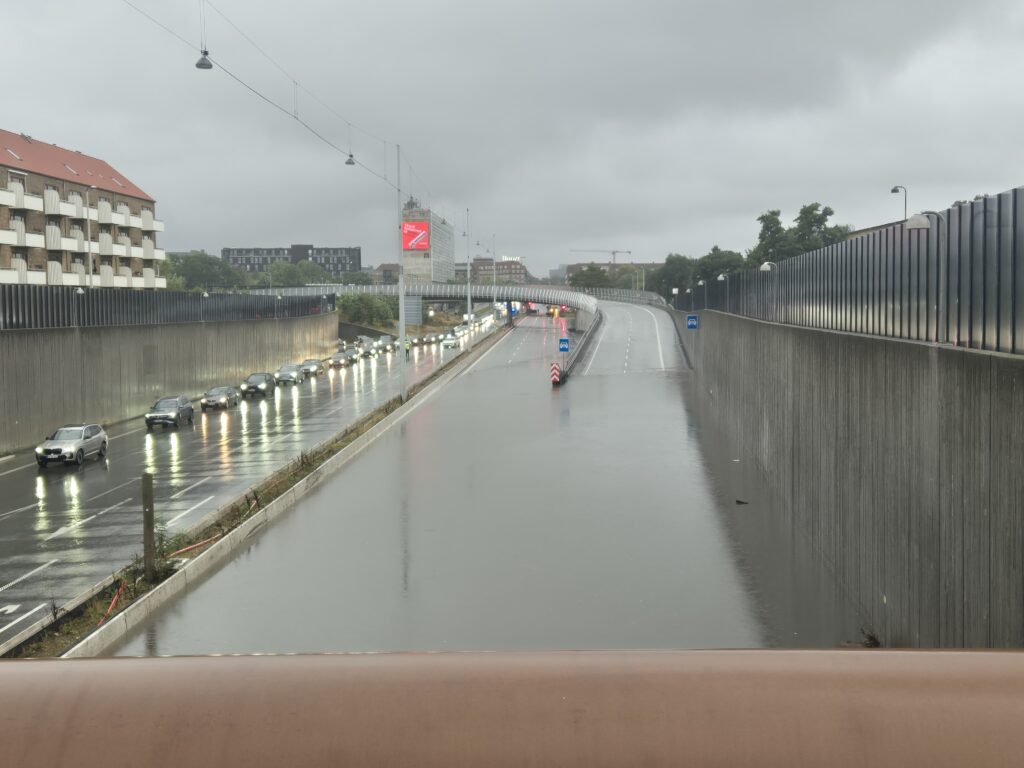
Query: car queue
(72,444)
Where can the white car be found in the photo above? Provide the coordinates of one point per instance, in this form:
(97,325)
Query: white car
(73,443)
(450,340)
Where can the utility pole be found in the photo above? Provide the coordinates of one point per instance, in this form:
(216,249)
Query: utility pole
(148,529)
(469,291)
(401,274)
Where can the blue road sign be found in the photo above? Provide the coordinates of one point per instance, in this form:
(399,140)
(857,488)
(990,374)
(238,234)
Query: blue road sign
(692,322)
(563,345)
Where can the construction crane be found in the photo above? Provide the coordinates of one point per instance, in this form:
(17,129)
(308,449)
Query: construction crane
(613,253)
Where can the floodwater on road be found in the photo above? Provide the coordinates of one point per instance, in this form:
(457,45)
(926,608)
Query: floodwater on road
(501,514)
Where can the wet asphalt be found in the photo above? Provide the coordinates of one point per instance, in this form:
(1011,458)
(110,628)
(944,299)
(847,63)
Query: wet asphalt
(501,513)
(63,529)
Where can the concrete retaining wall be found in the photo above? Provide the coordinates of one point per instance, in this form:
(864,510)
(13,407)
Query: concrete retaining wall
(106,375)
(899,462)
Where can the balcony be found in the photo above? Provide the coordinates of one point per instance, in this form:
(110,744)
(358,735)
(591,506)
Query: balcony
(51,202)
(159,254)
(104,212)
(77,241)
(19,200)
(106,241)
(136,252)
(23,277)
(52,236)
(135,221)
(123,214)
(149,224)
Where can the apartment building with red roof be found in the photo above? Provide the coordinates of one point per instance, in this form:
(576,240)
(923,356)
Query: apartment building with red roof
(70,219)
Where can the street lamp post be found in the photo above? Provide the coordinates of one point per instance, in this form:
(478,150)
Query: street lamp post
(724,278)
(494,274)
(896,190)
(690,291)
(704,283)
(921,221)
(88,233)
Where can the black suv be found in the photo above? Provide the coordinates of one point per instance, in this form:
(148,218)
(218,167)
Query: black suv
(259,384)
(170,410)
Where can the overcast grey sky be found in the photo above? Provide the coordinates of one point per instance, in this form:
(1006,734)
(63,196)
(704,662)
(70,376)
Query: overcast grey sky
(655,126)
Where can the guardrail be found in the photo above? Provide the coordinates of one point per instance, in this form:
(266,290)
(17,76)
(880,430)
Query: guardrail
(42,306)
(624,295)
(455,292)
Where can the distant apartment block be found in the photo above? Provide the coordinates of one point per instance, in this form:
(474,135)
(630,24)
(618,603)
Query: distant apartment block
(428,245)
(510,271)
(71,219)
(385,274)
(335,260)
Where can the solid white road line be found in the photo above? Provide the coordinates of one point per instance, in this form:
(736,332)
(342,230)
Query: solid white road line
(116,487)
(194,507)
(657,334)
(22,617)
(596,347)
(65,528)
(124,434)
(183,491)
(33,572)
(23,466)
(5,515)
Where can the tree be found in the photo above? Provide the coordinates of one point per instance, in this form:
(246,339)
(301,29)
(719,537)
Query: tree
(773,241)
(591,276)
(676,272)
(716,262)
(285,273)
(364,309)
(198,270)
(355,278)
(310,272)
(624,277)
(812,230)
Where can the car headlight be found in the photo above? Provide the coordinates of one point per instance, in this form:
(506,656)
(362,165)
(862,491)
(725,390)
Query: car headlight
(223,399)
(39,449)
(263,386)
(245,386)
(203,400)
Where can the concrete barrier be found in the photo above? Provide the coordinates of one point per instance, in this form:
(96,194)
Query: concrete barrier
(898,462)
(60,376)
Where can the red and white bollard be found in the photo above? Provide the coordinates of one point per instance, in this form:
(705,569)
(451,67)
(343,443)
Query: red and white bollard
(556,374)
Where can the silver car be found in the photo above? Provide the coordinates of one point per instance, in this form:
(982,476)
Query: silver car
(73,443)
(290,374)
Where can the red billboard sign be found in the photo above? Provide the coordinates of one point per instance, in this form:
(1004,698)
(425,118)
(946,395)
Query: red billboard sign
(415,235)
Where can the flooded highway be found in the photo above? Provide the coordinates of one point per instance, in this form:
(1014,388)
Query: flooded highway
(63,529)
(499,514)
